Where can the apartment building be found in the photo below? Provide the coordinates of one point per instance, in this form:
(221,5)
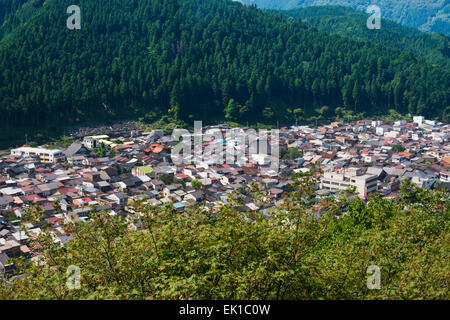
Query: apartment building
(44,155)
(351,177)
(92,142)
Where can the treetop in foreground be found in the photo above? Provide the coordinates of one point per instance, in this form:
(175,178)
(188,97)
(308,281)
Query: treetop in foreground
(301,249)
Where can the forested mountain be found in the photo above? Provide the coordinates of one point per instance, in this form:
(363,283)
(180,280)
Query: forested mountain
(350,23)
(11,16)
(426,15)
(189,59)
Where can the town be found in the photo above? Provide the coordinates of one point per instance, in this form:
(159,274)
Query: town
(111,171)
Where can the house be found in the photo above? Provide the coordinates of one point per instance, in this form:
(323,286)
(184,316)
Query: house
(195,196)
(10,248)
(444,175)
(76,160)
(118,198)
(104,186)
(3,204)
(168,190)
(276,192)
(377,171)
(179,206)
(157,184)
(5,267)
(47,189)
(76,149)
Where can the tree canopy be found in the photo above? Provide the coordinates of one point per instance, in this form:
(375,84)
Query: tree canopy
(189,59)
(296,251)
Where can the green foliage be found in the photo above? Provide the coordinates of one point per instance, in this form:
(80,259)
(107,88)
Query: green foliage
(295,253)
(149,118)
(398,147)
(232,111)
(422,14)
(167,178)
(186,59)
(352,24)
(298,113)
(325,112)
(268,113)
(196,184)
(289,153)
(101,150)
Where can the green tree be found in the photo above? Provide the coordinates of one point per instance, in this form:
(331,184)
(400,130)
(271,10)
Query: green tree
(268,113)
(398,147)
(299,114)
(196,184)
(301,251)
(167,178)
(232,110)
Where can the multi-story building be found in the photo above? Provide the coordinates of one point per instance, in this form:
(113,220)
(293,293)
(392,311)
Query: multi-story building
(44,155)
(92,142)
(352,177)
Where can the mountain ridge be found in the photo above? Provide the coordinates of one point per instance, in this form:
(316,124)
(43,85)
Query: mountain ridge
(350,23)
(425,15)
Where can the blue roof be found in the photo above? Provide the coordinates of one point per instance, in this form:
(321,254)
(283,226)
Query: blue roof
(265,213)
(178,205)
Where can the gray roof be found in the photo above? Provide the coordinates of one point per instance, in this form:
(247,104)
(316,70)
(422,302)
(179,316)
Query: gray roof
(3,258)
(374,170)
(392,171)
(73,149)
(3,202)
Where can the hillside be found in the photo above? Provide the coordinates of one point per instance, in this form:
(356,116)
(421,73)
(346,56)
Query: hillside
(191,59)
(426,15)
(350,23)
(15,12)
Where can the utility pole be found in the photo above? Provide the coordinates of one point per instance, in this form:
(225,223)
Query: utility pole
(26,139)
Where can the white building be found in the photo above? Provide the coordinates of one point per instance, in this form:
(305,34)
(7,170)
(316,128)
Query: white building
(418,119)
(430,122)
(352,177)
(261,159)
(444,175)
(45,155)
(400,123)
(392,134)
(380,131)
(91,142)
(377,123)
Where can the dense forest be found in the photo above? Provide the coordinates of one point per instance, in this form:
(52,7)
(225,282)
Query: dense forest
(186,59)
(426,15)
(350,23)
(298,250)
